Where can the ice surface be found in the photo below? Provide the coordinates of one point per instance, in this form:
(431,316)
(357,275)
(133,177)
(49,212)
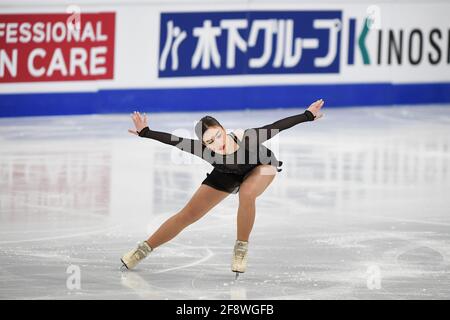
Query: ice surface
(361,209)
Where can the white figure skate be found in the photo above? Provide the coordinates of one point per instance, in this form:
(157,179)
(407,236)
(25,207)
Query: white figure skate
(132,258)
(239,263)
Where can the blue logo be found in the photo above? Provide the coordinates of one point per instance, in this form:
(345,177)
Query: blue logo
(255,42)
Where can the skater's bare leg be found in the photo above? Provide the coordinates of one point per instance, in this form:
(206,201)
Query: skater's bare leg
(257,181)
(203,200)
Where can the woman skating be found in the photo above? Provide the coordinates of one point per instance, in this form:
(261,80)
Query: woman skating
(241,164)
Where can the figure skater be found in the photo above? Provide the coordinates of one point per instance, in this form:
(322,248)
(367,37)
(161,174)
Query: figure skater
(241,164)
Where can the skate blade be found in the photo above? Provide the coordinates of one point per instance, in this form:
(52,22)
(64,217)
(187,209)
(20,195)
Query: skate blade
(124,266)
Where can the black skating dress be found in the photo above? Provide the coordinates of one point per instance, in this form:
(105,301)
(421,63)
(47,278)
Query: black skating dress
(230,170)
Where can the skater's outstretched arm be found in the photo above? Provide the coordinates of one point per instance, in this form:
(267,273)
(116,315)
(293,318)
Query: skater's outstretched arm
(268,131)
(193,146)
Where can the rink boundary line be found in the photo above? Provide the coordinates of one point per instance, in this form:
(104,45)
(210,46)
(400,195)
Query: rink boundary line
(62,237)
(404,220)
(106,101)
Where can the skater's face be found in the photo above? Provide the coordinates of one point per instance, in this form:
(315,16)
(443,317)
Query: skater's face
(214,138)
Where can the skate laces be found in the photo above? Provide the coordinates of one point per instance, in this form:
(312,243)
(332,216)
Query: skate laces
(141,251)
(241,253)
(240,250)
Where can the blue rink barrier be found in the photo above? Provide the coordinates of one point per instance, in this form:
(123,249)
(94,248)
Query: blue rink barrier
(221,98)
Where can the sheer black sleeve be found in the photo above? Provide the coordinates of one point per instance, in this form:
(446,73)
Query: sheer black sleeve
(266,132)
(185,144)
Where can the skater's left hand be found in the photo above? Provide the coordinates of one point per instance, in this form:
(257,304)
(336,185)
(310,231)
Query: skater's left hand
(140,122)
(315,108)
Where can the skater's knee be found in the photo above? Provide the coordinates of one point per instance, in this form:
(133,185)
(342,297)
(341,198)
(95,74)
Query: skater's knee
(247,195)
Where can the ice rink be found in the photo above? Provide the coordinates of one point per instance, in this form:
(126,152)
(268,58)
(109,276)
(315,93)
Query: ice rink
(361,209)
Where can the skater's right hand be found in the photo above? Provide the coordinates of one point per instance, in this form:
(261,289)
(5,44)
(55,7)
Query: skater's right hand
(140,122)
(315,108)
